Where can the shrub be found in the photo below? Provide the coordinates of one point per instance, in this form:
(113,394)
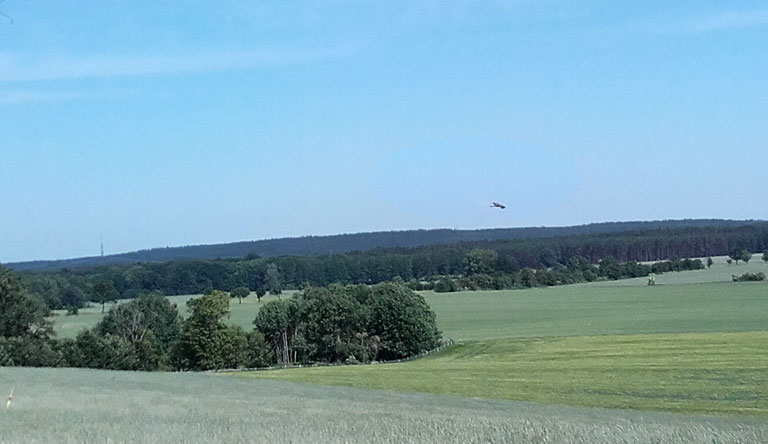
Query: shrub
(446,285)
(747,277)
(29,352)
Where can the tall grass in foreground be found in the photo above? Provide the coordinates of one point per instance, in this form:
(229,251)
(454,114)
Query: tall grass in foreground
(91,406)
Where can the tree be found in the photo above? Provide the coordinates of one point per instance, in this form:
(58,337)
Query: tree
(21,315)
(103,292)
(335,324)
(279,321)
(528,278)
(260,292)
(610,268)
(765,256)
(73,299)
(259,354)
(746,256)
(149,325)
(479,261)
(737,254)
(273,280)
(729,261)
(205,342)
(402,320)
(240,293)
(710,262)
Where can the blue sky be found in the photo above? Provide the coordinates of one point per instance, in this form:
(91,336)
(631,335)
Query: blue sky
(181,122)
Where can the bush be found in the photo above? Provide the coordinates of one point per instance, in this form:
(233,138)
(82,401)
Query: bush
(29,352)
(480,281)
(446,285)
(749,277)
(90,350)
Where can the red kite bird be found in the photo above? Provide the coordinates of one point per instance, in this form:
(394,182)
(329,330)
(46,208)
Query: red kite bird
(498,205)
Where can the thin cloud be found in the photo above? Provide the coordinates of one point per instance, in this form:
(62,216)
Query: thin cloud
(722,21)
(23,97)
(729,20)
(70,67)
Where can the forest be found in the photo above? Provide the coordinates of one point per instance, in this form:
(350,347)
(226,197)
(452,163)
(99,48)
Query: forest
(470,265)
(345,243)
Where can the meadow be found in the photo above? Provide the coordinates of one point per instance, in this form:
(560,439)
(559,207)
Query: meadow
(701,373)
(571,310)
(89,406)
(608,307)
(576,310)
(695,343)
(241,314)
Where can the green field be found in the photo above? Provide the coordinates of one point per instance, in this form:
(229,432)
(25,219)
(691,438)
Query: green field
(704,373)
(575,310)
(694,343)
(719,272)
(94,406)
(240,314)
(622,307)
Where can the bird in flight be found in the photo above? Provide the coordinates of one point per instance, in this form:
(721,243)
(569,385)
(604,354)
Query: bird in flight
(498,205)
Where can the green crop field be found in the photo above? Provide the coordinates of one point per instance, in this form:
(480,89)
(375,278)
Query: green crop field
(597,308)
(694,343)
(719,272)
(705,373)
(94,406)
(574,310)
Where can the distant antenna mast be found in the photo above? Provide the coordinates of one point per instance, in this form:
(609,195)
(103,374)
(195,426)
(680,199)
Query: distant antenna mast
(102,245)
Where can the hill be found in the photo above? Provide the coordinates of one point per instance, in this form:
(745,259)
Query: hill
(342,243)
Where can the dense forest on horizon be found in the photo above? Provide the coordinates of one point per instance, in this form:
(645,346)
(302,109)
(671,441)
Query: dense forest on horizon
(492,263)
(362,242)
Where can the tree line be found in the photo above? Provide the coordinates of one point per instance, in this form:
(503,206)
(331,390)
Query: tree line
(513,263)
(354,323)
(345,243)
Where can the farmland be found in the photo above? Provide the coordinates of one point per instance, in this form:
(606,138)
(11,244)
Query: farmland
(240,314)
(558,311)
(697,346)
(702,373)
(84,406)
(609,307)
(696,343)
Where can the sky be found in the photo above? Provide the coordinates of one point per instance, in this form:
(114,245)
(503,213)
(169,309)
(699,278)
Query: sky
(152,124)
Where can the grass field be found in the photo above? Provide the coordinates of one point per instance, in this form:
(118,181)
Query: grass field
(719,272)
(705,373)
(695,343)
(240,314)
(575,310)
(90,406)
(611,307)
